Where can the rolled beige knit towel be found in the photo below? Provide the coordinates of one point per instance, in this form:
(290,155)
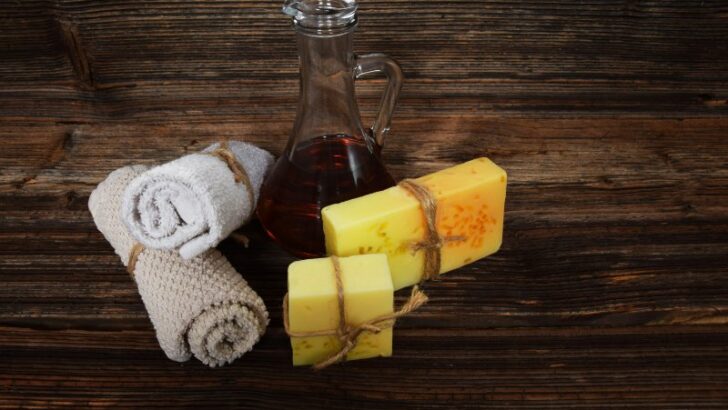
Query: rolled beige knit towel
(199,307)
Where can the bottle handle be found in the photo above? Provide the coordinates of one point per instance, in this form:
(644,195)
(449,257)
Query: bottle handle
(368,65)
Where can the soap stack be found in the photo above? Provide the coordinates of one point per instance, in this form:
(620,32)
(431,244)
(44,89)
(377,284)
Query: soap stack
(342,307)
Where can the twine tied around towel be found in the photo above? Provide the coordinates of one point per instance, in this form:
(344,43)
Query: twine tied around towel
(432,242)
(134,253)
(348,334)
(224,153)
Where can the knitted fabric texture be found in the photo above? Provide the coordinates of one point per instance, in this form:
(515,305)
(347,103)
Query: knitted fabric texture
(194,202)
(200,307)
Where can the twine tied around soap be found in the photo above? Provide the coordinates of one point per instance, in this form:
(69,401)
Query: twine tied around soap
(348,334)
(224,153)
(432,242)
(134,253)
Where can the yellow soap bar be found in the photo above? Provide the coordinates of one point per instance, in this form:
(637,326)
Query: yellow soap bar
(470,208)
(313,306)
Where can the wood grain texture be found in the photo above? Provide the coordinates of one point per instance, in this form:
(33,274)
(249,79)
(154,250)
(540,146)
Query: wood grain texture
(137,60)
(610,118)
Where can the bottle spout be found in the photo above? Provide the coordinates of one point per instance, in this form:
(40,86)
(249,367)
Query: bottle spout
(322,16)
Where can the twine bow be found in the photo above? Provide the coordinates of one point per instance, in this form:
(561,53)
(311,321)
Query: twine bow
(432,242)
(346,333)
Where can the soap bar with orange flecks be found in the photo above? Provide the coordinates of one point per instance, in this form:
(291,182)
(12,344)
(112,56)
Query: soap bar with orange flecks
(313,306)
(470,208)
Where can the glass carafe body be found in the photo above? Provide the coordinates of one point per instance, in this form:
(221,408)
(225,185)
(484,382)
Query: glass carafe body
(330,156)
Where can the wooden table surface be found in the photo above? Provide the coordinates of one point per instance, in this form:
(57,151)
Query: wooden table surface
(611,118)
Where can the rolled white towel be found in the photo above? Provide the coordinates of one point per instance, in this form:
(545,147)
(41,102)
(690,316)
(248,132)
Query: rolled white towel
(194,202)
(201,307)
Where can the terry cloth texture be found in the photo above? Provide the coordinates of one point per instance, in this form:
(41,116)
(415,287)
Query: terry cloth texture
(194,202)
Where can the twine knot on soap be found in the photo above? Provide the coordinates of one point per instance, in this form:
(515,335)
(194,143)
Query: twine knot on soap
(346,333)
(432,243)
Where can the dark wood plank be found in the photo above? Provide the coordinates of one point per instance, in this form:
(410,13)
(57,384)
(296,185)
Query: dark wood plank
(138,60)
(531,368)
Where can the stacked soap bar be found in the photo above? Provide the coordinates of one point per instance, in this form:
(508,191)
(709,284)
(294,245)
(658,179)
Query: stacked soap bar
(313,306)
(470,200)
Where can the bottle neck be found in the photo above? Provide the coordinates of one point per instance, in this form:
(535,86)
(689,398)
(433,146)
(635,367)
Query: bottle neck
(327,104)
(325,55)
